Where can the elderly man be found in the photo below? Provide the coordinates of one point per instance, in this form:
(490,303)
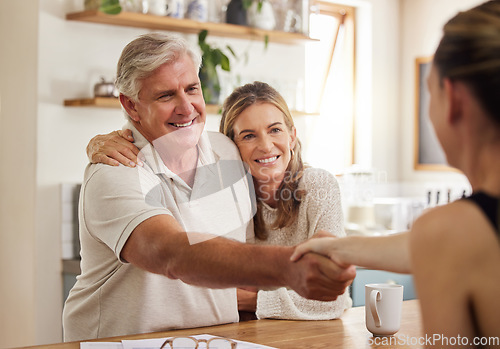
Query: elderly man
(163,244)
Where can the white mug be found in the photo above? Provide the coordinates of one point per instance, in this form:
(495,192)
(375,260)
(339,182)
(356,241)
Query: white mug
(383,308)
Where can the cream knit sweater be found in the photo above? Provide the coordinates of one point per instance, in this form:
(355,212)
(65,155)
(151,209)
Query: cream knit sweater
(320,210)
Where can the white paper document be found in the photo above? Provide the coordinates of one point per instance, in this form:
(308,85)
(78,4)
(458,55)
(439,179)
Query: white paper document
(101,345)
(155,343)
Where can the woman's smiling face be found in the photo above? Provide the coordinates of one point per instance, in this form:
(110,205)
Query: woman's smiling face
(264,141)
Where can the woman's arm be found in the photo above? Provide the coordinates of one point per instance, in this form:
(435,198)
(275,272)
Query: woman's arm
(113,149)
(384,252)
(389,252)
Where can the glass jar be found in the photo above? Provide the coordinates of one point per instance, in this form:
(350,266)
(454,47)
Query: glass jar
(131,5)
(197,10)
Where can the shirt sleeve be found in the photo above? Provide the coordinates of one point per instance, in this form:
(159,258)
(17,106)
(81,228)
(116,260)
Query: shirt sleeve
(116,200)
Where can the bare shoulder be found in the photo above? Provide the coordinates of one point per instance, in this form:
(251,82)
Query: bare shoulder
(461,225)
(447,238)
(458,239)
(454,247)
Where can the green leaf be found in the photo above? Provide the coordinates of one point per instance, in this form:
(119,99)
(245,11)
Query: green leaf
(224,63)
(202,36)
(216,56)
(259,6)
(230,49)
(110,7)
(247,4)
(205,48)
(266,41)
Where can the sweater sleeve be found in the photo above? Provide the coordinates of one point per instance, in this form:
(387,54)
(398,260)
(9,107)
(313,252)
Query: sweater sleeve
(287,304)
(322,211)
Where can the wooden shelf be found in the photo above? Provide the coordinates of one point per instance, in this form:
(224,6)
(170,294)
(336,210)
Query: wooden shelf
(110,102)
(99,102)
(139,20)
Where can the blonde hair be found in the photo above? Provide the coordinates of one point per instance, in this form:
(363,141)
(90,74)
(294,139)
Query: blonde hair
(241,98)
(470,52)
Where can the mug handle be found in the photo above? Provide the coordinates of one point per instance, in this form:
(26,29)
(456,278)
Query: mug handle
(375,296)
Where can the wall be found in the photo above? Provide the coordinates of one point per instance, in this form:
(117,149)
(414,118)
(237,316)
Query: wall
(421,28)
(18,94)
(385,87)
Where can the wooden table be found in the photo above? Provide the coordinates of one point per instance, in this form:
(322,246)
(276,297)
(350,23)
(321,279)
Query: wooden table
(347,332)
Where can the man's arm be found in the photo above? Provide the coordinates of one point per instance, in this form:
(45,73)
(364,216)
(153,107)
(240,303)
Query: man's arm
(159,245)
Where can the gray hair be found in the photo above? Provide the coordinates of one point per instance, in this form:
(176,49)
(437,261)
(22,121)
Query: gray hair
(141,57)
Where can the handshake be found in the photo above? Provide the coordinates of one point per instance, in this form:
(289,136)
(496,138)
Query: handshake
(321,274)
(336,257)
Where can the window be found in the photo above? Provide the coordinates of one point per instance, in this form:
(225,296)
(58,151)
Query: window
(329,142)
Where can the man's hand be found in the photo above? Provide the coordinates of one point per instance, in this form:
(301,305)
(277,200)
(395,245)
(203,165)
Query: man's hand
(114,148)
(247,299)
(317,277)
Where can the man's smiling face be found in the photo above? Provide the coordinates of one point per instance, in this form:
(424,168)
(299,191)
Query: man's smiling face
(171,102)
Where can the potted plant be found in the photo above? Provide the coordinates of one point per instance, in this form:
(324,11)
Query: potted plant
(212,57)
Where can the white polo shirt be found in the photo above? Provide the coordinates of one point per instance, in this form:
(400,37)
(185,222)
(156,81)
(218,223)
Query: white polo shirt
(112,297)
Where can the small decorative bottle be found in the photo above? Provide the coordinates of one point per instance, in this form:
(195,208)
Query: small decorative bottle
(197,10)
(175,8)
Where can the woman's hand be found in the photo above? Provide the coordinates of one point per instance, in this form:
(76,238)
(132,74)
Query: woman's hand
(113,149)
(325,244)
(386,252)
(319,245)
(247,299)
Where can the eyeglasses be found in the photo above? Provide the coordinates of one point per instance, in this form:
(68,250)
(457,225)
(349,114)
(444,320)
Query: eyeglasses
(192,343)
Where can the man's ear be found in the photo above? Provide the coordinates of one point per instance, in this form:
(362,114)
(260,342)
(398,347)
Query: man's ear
(129,106)
(454,100)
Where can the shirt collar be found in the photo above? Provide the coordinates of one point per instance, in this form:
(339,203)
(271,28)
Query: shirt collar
(149,155)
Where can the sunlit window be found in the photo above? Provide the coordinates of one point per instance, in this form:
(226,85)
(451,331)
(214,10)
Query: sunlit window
(329,142)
